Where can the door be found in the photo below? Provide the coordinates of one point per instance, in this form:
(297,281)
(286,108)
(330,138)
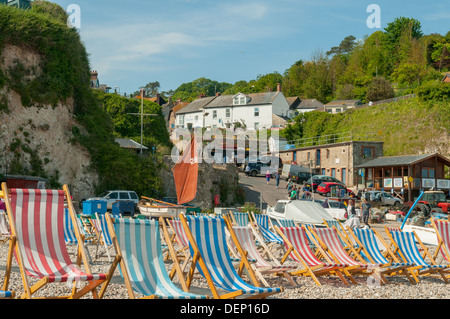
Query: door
(344,176)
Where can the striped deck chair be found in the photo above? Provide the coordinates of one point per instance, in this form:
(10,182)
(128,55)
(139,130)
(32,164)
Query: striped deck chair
(209,251)
(284,222)
(405,242)
(7,294)
(329,239)
(137,243)
(298,248)
(442,228)
(37,235)
(261,266)
(102,228)
(182,241)
(4,227)
(263,225)
(366,239)
(69,232)
(239,219)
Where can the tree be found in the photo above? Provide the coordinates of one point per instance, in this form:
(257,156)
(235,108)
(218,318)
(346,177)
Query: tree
(345,47)
(379,89)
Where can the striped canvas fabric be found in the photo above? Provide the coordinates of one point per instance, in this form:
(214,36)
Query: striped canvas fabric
(241,218)
(443,228)
(245,238)
(210,237)
(368,239)
(69,233)
(407,245)
(140,243)
(101,222)
(299,240)
(39,219)
(268,235)
(331,239)
(5,294)
(286,222)
(181,236)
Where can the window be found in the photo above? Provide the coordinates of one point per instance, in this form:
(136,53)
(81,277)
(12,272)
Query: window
(279,208)
(367,152)
(227,112)
(196,118)
(123,195)
(333,172)
(239,100)
(114,195)
(427,172)
(256,111)
(214,114)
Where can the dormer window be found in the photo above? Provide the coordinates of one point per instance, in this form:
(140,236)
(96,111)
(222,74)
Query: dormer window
(239,99)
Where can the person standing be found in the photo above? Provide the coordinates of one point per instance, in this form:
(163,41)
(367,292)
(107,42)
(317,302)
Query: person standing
(365,208)
(351,211)
(247,170)
(277,178)
(268,176)
(289,188)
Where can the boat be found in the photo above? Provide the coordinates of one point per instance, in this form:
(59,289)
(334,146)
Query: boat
(154,208)
(301,211)
(427,235)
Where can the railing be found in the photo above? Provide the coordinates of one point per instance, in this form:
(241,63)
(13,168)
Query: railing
(335,138)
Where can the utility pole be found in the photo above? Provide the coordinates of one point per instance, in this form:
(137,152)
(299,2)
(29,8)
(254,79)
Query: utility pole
(142,117)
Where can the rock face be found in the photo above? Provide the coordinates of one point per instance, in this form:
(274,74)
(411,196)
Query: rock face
(41,136)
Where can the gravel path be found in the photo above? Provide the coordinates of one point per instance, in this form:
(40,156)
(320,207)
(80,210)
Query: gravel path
(430,287)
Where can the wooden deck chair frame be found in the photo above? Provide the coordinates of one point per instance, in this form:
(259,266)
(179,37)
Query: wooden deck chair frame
(359,266)
(419,269)
(198,259)
(182,254)
(322,268)
(387,268)
(275,269)
(29,290)
(105,236)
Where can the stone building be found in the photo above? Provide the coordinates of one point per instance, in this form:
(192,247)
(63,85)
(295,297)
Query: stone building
(339,160)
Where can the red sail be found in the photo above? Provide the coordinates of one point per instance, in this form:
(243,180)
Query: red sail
(185,174)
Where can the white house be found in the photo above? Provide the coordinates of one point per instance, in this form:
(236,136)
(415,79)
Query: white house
(254,111)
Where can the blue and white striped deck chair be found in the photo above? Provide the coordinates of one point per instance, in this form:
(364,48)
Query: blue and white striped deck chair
(209,250)
(6,294)
(240,219)
(284,222)
(142,263)
(69,233)
(262,221)
(106,237)
(366,239)
(405,242)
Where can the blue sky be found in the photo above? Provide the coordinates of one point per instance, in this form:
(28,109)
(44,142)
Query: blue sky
(133,42)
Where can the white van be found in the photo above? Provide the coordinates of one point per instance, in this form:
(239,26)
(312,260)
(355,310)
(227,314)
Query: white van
(291,170)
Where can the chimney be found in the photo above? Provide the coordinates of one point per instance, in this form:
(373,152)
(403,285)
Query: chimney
(279,87)
(218,94)
(158,98)
(202,95)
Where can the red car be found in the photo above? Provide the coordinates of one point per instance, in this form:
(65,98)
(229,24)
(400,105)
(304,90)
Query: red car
(324,189)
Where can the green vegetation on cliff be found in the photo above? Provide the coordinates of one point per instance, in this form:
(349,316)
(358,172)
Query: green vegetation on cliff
(64,73)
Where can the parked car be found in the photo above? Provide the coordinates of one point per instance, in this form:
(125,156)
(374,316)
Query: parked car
(110,197)
(324,189)
(316,180)
(291,171)
(260,169)
(301,177)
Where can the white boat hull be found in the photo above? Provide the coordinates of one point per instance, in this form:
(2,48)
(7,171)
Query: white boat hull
(426,234)
(160,211)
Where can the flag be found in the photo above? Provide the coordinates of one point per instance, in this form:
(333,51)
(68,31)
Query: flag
(185,174)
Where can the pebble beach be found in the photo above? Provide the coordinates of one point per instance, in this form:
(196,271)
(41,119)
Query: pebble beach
(399,287)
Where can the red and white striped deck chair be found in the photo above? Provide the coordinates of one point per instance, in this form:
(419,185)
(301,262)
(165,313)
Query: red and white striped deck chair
(442,228)
(182,242)
(298,247)
(331,242)
(36,218)
(261,266)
